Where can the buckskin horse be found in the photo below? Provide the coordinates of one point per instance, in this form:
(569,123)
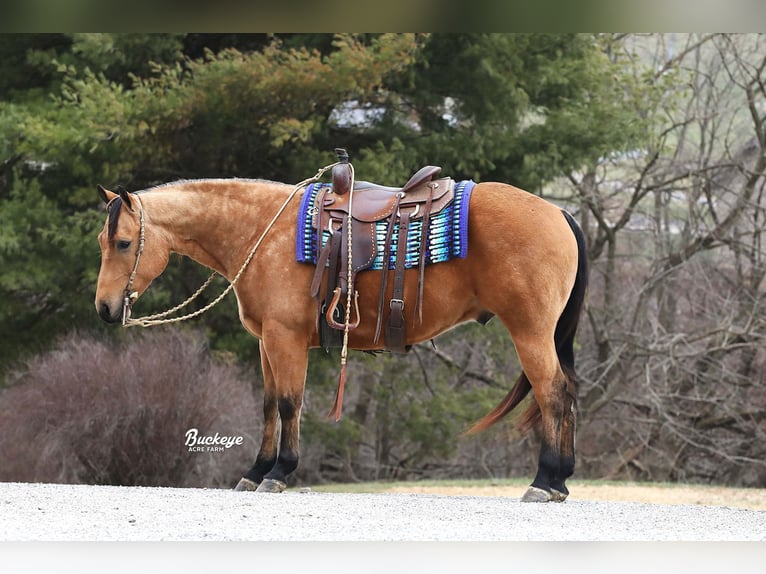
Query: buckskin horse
(525,262)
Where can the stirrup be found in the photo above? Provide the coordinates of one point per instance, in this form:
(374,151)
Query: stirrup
(334,305)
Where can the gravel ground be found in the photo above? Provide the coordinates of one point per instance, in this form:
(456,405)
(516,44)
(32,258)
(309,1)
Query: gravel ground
(52,512)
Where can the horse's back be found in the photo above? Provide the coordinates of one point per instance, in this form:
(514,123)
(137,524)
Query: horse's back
(505,211)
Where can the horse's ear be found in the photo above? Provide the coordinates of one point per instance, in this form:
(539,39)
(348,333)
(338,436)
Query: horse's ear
(126,201)
(104,194)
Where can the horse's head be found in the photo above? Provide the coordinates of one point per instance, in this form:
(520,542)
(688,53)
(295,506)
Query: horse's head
(132,254)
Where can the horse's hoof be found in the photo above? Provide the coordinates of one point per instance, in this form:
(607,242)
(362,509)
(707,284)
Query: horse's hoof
(245,484)
(271,485)
(534,494)
(557,496)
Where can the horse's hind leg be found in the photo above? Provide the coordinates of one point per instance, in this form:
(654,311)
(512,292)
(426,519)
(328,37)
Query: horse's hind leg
(267,455)
(553,393)
(567,442)
(557,457)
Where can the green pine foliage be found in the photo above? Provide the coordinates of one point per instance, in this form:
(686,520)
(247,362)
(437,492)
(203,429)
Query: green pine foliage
(136,110)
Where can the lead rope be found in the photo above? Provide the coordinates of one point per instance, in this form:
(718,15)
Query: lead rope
(159,318)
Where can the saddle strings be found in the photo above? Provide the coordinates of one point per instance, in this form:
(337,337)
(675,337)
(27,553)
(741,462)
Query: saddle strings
(160,318)
(337,408)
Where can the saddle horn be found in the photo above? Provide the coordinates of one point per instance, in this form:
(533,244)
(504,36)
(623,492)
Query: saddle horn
(341,173)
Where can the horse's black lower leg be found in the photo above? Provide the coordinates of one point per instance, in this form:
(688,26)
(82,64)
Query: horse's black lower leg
(267,455)
(557,460)
(552,474)
(284,361)
(263,464)
(275,480)
(567,451)
(559,488)
(547,467)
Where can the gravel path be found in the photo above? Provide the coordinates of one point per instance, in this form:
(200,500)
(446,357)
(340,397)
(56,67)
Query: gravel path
(52,512)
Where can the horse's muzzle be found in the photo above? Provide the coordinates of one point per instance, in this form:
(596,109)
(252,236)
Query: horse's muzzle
(106,313)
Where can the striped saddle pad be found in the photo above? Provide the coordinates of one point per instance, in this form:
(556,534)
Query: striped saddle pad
(447,232)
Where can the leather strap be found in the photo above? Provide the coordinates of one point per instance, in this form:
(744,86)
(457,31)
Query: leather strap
(332,272)
(396,335)
(319,206)
(423,246)
(324,255)
(384,274)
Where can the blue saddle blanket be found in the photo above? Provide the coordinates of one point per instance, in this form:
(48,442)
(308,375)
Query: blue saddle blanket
(447,231)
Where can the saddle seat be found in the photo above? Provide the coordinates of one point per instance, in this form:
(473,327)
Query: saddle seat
(419,198)
(372,202)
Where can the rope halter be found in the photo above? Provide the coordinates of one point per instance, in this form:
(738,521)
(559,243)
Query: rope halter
(129,296)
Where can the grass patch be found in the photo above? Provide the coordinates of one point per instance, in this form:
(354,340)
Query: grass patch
(521,483)
(376,487)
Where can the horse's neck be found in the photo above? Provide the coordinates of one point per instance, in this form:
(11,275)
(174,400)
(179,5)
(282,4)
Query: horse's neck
(215,223)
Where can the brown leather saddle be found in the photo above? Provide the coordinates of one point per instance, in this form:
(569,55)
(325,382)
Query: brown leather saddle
(421,197)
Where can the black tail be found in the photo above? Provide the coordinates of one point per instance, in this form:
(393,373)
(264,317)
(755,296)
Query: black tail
(566,328)
(564,336)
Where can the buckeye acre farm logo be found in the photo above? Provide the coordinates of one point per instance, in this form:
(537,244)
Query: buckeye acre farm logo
(197,442)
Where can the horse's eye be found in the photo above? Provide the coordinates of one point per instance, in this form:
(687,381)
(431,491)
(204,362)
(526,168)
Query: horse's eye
(122,244)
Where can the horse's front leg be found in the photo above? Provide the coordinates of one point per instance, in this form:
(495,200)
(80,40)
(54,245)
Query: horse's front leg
(267,455)
(284,354)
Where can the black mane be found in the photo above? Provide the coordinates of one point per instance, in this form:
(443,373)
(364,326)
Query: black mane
(114,208)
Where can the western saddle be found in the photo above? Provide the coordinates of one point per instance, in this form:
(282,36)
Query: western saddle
(421,197)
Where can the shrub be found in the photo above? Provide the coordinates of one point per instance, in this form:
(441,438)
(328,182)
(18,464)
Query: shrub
(96,412)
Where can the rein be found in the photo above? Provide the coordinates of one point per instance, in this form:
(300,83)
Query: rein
(130,296)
